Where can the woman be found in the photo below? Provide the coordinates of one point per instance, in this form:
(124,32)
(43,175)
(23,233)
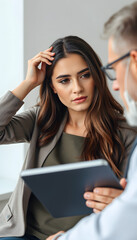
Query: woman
(77,119)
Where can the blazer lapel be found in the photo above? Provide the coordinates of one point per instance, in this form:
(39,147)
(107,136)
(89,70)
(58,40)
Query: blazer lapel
(45,150)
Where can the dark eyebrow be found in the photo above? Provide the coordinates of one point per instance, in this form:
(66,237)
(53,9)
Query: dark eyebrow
(67,75)
(62,76)
(84,70)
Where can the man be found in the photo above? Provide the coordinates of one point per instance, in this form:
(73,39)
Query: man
(119,219)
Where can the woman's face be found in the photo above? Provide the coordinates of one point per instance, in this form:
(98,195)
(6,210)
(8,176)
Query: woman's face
(73,83)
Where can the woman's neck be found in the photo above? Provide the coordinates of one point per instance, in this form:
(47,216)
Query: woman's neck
(76,124)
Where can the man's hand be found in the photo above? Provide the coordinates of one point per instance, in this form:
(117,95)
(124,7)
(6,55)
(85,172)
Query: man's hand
(52,237)
(101,197)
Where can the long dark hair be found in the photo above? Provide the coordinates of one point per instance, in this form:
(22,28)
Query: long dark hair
(103,116)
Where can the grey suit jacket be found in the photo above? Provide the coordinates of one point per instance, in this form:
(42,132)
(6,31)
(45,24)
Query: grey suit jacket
(23,128)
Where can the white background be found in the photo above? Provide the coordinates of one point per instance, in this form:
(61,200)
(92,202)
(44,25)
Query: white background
(11,73)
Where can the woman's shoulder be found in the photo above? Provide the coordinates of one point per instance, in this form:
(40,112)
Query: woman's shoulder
(123,125)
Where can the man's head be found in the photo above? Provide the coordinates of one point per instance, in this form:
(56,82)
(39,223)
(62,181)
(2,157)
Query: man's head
(121,32)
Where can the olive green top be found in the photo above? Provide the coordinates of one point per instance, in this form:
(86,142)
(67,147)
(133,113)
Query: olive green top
(40,222)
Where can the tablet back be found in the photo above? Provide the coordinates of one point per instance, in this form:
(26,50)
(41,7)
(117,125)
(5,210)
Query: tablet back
(60,188)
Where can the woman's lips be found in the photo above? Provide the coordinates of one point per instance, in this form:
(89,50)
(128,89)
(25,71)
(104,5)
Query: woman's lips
(80,99)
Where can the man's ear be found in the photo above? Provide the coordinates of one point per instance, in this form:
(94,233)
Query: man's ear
(133,55)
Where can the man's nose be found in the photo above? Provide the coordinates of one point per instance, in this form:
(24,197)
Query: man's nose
(115,85)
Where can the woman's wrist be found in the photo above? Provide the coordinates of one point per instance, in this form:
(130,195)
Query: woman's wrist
(28,85)
(23,89)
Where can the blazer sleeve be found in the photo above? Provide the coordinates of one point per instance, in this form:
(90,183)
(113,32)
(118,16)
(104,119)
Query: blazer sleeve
(15,128)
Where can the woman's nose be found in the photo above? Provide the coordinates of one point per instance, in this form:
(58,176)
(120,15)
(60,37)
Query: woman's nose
(77,87)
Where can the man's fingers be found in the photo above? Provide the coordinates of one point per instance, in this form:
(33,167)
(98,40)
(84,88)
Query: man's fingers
(96,210)
(123,182)
(110,192)
(96,205)
(95,197)
(55,235)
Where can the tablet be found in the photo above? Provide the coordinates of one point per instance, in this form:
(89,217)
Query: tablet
(60,188)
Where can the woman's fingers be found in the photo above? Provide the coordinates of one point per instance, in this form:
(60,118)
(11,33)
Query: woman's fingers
(42,57)
(46,56)
(35,73)
(49,49)
(35,62)
(43,67)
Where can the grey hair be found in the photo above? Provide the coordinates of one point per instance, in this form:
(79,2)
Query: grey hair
(122,28)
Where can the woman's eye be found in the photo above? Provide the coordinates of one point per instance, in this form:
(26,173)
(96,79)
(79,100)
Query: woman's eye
(64,81)
(86,75)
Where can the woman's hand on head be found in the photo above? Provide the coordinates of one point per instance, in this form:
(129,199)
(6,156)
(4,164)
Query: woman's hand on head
(101,197)
(35,75)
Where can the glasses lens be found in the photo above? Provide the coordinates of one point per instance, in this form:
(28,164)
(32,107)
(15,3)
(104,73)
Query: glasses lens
(111,74)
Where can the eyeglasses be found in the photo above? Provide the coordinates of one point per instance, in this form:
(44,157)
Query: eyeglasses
(109,70)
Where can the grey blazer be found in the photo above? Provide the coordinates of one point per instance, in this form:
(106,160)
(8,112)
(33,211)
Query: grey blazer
(23,128)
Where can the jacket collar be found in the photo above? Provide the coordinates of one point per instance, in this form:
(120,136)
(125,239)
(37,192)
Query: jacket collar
(45,150)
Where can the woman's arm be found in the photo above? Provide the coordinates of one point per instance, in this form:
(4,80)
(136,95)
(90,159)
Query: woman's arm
(19,128)
(15,127)
(35,76)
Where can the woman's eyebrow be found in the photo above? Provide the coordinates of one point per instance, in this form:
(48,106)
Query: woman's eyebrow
(84,70)
(62,76)
(68,75)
